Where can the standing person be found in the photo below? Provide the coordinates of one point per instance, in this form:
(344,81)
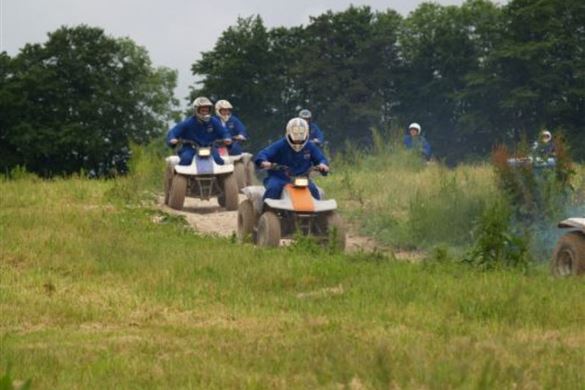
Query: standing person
(237,130)
(296,153)
(417,142)
(316,135)
(201,128)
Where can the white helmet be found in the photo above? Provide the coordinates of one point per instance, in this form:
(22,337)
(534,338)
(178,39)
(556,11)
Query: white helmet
(546,136)
(415,126)
(297,133)
(305,114)
(202,101)
(223,105)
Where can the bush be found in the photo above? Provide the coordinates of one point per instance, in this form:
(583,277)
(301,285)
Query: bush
(497,244)
(145,176)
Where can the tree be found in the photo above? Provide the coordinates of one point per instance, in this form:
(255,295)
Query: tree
(347,70)
(242,69)
(472,75)
(82,97)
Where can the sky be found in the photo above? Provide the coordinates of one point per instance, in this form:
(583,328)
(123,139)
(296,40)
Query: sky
(174,32)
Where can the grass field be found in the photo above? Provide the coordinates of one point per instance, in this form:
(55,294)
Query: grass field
(393,196)
(99,290)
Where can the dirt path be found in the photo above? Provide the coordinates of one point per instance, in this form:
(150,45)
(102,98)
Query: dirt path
(208,218)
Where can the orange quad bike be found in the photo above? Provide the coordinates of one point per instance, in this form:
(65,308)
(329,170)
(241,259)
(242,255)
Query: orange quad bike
(266,221)
(569,254)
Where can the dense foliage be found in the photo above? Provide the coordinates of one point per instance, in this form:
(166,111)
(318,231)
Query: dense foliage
(78,100)
(474,76)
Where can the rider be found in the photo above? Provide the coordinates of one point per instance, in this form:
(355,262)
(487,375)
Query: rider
(237,130)
(544,148)
(296,153)
(201,128)
(316,135)
(415,141)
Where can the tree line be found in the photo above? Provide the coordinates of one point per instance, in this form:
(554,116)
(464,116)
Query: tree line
(473,76)
(77,101)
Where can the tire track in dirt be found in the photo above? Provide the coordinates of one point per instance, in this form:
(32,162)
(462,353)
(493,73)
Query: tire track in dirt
(208,217)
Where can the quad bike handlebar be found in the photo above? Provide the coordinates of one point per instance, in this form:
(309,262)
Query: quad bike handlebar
(286,169)
(195,144)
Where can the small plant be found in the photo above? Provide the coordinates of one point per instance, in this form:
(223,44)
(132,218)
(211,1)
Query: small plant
(496,244)
(7,383)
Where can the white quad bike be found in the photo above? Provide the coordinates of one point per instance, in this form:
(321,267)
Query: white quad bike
(535,162)
(243,165)
(203,179)
(266,221)
(569,254)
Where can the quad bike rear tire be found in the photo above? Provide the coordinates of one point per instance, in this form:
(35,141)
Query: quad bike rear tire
(168,181)
(246,221)
(336,230)
(268,233)
(569,255)
(178,192)
(230,192)
(240,174)
(250,172)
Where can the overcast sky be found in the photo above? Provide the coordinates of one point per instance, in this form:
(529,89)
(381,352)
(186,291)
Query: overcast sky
(174,32)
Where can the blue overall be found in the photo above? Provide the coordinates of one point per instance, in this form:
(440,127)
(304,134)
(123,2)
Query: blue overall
(299,163)
(235,127)
(315,132)
(204,134)
(418,143)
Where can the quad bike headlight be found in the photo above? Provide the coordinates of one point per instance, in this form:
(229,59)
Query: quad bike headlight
(204,152)
(301,182)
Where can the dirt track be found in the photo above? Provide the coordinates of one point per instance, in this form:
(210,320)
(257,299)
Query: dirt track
(208,218)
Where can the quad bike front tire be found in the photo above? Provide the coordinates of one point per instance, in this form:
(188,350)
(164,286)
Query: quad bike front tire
(168,181)
(178,192)
(246,221)
(230,193)
(240,174)
(268,233)
(569,255)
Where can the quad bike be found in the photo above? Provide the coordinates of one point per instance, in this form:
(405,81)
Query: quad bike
(569,254)
(243,166)
(203,179)
(266,221)
(538,163)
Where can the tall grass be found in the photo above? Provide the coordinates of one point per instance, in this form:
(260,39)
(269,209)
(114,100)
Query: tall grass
(402,201)
(393,195)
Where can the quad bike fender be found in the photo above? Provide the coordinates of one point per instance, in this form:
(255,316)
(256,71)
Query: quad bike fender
(244,157)
(575,223)
(203,166)
(255,194)
(173,160)
(300,200)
